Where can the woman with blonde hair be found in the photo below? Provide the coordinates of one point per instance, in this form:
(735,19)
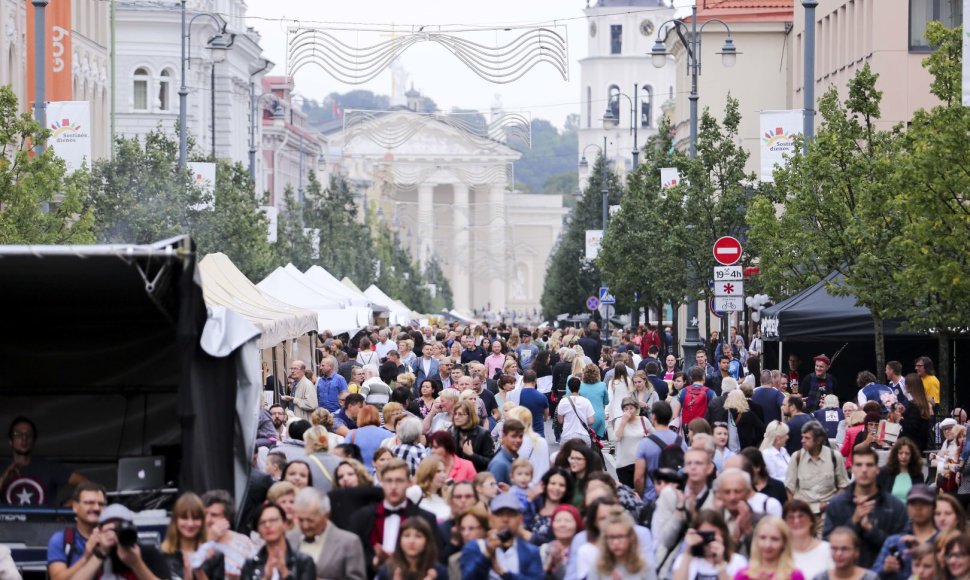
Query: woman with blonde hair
(429,483)
(619,552)
(406,380)
(771,552)
(750,428)
(324,418)
(283,494)
(186,533)
(406,349)
(773,450)
(352,473)
(534,448)
(316,442)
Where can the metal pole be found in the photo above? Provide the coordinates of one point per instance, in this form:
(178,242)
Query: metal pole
(114,81)
(40,67)
(183,93)
(692,340)
(212,84)
(252,129)
(606,217)
(808,88)
(634,121)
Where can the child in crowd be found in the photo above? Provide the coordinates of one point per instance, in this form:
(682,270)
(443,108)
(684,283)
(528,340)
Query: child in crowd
(521,480)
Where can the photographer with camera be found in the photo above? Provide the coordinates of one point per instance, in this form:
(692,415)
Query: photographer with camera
(709,550)
(116,552)
(681,496)
(502,552)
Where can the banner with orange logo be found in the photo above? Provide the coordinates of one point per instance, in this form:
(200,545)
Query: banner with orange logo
(70,125)
(778,131)
(59,50)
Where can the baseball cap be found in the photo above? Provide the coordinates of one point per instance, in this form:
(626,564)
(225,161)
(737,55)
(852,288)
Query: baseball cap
(116,511)
(920,492)
(505,501)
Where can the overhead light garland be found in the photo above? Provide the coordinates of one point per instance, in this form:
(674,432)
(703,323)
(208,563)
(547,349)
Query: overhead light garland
(498,63)
(502,129)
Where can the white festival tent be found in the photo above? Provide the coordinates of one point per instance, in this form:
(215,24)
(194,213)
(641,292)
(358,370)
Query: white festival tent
(224,285)
(399,313)
(294,289)
(361,306)
(323,279)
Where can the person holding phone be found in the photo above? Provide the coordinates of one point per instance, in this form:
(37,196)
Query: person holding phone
(502,551)
(709,550)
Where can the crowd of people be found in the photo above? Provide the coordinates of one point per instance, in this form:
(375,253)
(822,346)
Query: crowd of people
(423,454)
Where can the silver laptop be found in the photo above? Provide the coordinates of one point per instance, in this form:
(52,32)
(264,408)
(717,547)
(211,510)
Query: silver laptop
(138,473)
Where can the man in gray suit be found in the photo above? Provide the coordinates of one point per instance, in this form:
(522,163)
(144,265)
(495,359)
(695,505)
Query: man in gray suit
(338,554)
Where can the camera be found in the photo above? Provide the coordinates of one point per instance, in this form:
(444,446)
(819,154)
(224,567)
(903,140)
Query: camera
(127,534)
(698,550)
(504,536)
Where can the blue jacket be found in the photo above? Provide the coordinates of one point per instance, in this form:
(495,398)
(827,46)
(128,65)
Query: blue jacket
(419,372)
(906,563)
(475,566)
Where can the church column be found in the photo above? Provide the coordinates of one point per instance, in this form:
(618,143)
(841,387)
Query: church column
(424,230)
(461,268)
(499,268)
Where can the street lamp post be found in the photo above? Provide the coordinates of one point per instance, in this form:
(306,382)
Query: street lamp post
(808,127)
(611,121)
(604,190)
(692,47)
(40,67)
(252,118)
(277,114)
(217,45)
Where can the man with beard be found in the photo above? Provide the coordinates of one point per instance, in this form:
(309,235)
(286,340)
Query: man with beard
(27,480)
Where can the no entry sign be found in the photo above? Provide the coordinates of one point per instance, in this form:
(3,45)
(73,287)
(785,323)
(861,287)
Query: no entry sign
(727,250)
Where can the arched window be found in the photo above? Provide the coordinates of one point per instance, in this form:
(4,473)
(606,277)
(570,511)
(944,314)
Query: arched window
(613,100)
(140,89)
(165,90)
(646,107)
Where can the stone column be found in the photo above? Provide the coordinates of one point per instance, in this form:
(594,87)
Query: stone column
(424,229)
(498,267)
(461,249)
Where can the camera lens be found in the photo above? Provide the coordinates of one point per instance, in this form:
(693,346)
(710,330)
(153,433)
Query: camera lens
(127,534)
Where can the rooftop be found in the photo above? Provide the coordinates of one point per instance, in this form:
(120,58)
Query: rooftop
(746,10)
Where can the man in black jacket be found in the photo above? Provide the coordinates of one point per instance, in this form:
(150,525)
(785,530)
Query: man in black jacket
(873,513)
(377,525)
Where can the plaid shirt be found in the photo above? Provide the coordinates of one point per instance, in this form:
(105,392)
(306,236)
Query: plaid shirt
(412,454)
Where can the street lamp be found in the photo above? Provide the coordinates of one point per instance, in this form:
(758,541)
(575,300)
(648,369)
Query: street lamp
(610,121)
(692,46)
(277,114)
(584,164)
(40,67)
(218,45)
(808,90)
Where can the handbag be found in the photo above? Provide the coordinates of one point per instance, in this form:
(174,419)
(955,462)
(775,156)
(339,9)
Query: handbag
(734,444)
(593,437)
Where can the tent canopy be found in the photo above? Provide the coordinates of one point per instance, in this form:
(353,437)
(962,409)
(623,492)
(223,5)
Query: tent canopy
(224,285)
(816,315)
(294,288)
(399,313)
(323,279)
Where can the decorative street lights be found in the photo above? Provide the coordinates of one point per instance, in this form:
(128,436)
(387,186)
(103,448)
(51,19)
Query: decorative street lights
(610,121)
(691,39)
(277,114)
(217,45)
(584,164)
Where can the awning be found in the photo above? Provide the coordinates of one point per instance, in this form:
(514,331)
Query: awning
(293,288)
(224,285)
(399,313)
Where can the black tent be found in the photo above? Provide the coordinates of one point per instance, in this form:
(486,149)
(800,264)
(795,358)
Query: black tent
(101,349)
(815,315)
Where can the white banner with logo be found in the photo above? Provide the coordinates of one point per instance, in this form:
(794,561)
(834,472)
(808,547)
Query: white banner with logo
(272,222)
(70,125)
(204,177)
(966,53)
(778,131)
(593,240)
(669,177)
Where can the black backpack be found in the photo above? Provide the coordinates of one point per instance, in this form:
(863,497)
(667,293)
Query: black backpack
(671,456)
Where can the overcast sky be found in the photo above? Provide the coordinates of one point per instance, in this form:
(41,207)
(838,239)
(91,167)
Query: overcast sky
(431,68)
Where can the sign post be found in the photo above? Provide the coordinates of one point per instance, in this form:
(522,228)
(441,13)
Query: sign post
(728,280)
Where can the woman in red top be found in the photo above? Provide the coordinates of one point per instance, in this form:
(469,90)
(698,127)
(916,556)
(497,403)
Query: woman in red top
(443,445)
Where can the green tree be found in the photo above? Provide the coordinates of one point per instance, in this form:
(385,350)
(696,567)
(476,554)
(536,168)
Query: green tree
(443,298)
(837,210)
(31,183)
(551,153)
(346,245)
(397,274)
(570,278)
(564,183)
(294,244)
(646,243)
(933,207)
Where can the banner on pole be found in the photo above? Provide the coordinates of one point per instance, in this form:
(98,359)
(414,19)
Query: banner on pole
(669,177)
(966,53)
(70,125)
(778,131)
(59,50)
(593,240)
(204,178)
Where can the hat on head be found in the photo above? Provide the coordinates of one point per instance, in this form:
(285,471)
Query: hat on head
(572,511)
(948,422)
(920,492)
(505,501)
(116,511)
(824,359)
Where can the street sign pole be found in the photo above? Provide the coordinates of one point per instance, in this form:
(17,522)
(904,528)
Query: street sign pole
(728,281)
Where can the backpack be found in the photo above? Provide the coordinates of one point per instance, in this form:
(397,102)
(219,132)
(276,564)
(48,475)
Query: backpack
(695,404)
(671,456)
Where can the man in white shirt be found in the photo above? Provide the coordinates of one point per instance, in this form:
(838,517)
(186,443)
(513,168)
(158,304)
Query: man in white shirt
(384,345)
(572,411)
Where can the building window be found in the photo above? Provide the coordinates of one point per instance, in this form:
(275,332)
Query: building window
(165,91)
(922,12)
(589,106)
(140,94)
(616,38)
(646,107)
(613,101)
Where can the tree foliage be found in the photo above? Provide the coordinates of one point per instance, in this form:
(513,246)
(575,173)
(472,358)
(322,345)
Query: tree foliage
(837,214)
(30,183)
(551,153)
(570,278)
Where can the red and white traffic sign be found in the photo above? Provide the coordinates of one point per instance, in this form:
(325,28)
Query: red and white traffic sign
(727,250)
